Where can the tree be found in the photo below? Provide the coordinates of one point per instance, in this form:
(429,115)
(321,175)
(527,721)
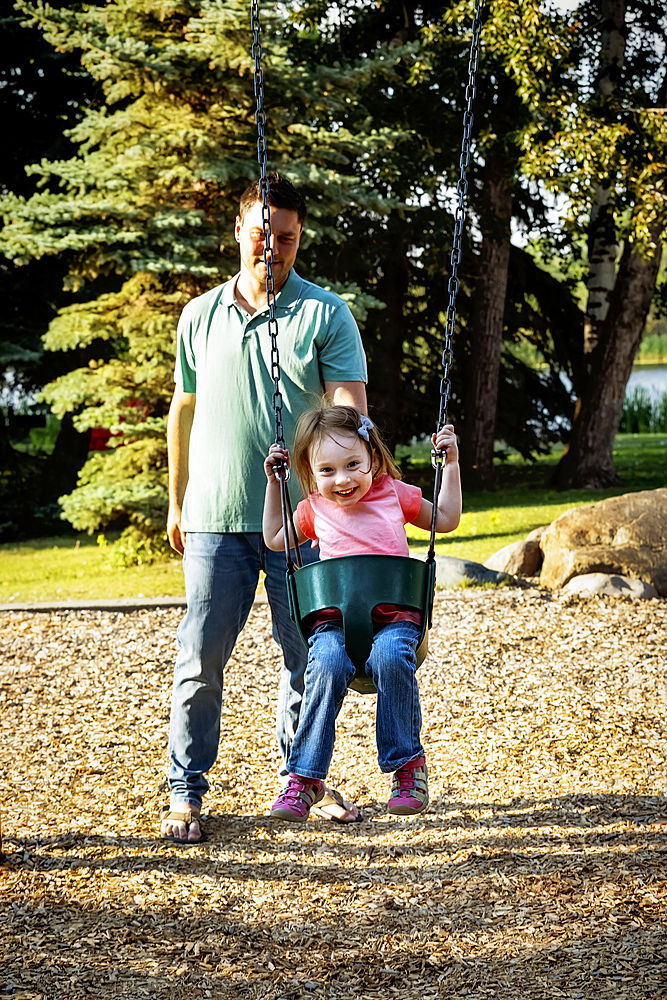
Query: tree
(42,93)
(609,153)
(148,202)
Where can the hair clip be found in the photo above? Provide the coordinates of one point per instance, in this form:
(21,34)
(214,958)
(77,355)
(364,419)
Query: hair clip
(364,427)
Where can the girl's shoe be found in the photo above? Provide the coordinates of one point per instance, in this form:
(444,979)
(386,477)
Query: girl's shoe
(297,798)
(409,790)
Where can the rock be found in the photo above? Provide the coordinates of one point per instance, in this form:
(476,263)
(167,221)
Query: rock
(610,586)
(519,558)
(536,534)
(624,535)
(452,572)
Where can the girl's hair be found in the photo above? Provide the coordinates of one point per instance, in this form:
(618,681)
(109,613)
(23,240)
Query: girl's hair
(326,421)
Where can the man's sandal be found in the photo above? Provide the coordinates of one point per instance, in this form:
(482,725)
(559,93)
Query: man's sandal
(330,801)
(182,817)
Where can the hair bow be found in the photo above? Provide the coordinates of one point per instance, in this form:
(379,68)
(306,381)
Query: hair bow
(364,427)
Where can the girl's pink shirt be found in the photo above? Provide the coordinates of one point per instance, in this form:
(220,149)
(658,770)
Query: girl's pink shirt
(373,526)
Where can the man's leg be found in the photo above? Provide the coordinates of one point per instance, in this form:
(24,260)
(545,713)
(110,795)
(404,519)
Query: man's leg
(295,653)
(221,573)
(295,657)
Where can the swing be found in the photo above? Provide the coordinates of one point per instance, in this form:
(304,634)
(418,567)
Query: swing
(357,584)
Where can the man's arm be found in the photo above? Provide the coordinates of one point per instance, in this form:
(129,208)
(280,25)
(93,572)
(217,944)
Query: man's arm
(347,394)
(179,425)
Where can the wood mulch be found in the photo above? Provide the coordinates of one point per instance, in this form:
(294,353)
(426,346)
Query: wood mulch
(539,871)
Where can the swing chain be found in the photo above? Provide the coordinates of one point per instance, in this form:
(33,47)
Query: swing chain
(260,119)
(459,221)
(453,287)
(282,471)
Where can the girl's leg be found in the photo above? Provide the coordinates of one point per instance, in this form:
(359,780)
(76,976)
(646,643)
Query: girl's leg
(393,666)
(327,675)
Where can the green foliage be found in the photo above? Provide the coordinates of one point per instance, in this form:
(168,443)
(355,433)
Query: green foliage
(135,548)
(618,139)
(364,113)
(644,414)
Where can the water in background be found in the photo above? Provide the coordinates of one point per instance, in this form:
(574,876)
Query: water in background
(652,378)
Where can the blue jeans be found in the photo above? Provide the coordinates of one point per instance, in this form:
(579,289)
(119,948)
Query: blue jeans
(221,575)
(392,665)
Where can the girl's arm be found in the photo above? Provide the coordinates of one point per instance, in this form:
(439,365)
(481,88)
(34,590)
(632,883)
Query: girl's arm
(449,501)
(272,521)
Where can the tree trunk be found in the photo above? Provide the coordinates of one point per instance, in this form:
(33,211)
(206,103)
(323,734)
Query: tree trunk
(481,396)
(602,255)
(66,460)
(588,462)
(602,245)
(386,355)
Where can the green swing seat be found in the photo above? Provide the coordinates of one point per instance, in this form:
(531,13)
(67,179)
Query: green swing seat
(356,585)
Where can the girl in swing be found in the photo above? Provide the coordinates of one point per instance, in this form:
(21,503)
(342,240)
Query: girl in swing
(357,505)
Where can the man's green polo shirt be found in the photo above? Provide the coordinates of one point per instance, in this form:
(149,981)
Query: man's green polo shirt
(224,356)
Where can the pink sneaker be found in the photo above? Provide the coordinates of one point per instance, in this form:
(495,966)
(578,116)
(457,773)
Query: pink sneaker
(297,798)
(409,790)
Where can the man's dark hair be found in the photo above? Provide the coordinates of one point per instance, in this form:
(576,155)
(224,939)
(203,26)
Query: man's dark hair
(282,194)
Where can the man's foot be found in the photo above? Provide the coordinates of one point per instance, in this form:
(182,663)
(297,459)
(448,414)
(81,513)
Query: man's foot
(180,824)
(297,797)
(409,790)
(334,807)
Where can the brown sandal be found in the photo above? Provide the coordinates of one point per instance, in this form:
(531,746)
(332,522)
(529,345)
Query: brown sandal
(332,797)
(182,817)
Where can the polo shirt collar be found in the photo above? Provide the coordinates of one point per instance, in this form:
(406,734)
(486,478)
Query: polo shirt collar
(286,298)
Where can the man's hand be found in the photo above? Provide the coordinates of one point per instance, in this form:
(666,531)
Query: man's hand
(174,533)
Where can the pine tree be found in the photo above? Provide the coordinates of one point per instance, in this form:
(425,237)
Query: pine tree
(148,205)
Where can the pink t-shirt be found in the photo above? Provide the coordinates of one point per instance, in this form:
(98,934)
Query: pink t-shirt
(373,526)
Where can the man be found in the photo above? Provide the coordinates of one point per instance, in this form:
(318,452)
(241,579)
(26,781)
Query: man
(220,424)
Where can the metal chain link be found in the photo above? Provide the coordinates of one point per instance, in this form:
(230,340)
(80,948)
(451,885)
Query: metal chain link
(260,119)
(460,214)
(453,287)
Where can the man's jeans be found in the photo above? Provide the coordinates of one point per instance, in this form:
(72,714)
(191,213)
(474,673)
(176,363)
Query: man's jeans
(392,664)
(221,576)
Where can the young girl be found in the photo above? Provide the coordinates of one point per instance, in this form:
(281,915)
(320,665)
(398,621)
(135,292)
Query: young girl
(356,504)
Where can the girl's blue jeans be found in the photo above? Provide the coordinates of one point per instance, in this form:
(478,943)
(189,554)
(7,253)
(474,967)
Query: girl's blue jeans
(392,664)
(221,575)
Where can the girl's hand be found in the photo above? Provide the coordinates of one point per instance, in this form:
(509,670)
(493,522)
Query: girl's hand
(445,440)
(276,455)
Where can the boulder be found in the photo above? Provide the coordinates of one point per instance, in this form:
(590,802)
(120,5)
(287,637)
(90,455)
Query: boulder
(609,586)
(452,572)
(518,558)
(536,534)
(624,535)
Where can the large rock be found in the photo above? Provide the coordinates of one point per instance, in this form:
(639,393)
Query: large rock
(609,585)
(452,572)
(624,535)
(522,558)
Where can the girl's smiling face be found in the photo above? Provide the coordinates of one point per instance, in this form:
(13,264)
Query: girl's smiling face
(342,468)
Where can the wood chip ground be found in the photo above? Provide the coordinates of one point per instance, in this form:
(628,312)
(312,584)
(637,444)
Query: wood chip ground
(539,871)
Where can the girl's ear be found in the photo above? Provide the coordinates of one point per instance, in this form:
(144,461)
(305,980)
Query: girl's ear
(376,463)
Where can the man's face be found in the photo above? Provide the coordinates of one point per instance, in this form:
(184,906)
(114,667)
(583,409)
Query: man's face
(285,236)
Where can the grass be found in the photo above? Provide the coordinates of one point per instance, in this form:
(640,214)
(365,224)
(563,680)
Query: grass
(522,501)
(77,568)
